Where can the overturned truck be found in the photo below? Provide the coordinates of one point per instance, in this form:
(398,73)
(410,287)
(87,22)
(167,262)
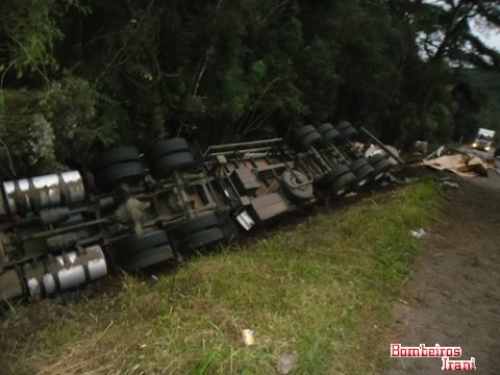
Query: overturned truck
(132,211)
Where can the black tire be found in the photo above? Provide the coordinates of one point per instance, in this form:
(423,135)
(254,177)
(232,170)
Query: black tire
(137,243)
(142,251)
(324,128)
(147,258)
(348,133)
(381,168)
(330,177)
(165,165)
(290,180)
(304,138)
(112,157)
(110,178)
(303,132)
(204,238)
(333,136)
(363,176)
(313,139)
(377,158)
(343,126)
(342,185)
(207,221)
(329,134)
(167,147)
(358,163)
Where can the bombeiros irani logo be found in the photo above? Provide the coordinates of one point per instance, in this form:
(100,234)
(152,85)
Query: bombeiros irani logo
(446,353)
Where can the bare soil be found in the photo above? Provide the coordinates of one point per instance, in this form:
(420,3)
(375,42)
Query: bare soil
(453,298)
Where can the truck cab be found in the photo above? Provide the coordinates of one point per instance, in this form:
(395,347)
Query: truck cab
(484,140)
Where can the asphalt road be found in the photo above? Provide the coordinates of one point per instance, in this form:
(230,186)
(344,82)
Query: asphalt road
(452,298)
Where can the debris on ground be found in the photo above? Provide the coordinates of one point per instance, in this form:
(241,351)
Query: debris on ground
(411,180)
(391,179)
(248,337)
(436,153)
(420,147)
(419,233)
(375,150)
(462,163)
(389,150)
(351,194)
(451,184)
(287,361)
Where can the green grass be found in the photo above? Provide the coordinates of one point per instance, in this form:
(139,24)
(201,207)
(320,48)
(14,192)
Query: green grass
(324,289)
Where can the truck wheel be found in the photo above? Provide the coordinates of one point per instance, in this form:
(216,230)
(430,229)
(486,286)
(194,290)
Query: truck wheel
(364,172)
(170,155)
(204,238)
(381,168)
(305,138)
(115,167)
(164,166)
(167,147)
(290,180)
(147,258)
(377,158)
(110,178)
(343,126)
(141,251)
(358,163)
(199,232)
(363,176)
(329,133)
(330,177)
(348,133)
(112,157)
(342,185)
(207,221)
(339,180)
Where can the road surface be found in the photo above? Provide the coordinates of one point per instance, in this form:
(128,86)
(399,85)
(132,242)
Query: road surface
(453,298)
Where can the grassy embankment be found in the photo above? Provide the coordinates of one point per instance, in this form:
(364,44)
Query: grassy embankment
(324,289)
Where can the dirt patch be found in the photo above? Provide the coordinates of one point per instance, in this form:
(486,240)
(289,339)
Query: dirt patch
(453,298)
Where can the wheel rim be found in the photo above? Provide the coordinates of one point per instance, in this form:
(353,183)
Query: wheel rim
(362,183)
(340,192)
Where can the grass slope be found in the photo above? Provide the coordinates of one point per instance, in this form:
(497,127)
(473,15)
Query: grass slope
(324,289)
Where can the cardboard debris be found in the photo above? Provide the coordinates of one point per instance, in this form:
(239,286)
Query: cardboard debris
(461,164)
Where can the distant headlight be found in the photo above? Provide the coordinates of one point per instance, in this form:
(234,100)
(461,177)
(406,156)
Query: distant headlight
(474,144)
(487,148)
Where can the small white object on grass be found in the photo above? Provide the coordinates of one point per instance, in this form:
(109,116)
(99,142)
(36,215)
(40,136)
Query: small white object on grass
(287,361)
(248,337)
(419,233)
